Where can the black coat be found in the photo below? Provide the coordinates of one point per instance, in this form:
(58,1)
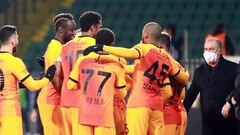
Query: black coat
(214,85)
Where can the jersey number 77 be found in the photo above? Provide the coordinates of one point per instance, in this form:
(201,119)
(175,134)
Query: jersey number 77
(90,73)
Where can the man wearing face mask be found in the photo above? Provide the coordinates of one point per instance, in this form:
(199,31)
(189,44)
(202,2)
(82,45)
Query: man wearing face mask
(214,79)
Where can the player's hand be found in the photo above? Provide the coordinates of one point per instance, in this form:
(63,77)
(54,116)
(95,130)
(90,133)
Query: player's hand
(225,110)
(96,48)
(41,61)
(50,72)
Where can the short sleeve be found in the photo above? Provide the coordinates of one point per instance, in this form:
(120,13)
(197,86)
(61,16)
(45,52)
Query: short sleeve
(120,78)
(140,49)
(19,69)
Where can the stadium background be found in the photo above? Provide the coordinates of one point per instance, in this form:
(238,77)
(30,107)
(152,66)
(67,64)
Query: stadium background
(194,20)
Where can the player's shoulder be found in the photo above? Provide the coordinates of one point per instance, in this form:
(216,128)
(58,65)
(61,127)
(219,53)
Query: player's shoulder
(114,60)
(85,38)
(117,67)
(71,42)
(87,58)
(119,59)
(54,45)
(159,52)
(111,60)
(15,61)
(146,47)
(140,45)
(55,42)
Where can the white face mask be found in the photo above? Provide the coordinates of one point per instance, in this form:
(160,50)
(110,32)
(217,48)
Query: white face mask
(210,57)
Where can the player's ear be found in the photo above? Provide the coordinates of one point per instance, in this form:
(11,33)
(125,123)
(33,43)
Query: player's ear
(92,28)
(147,35)
(12,42)
(60,29)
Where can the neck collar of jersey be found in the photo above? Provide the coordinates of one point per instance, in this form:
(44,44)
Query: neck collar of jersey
(5,52)
(155,45)
(58,41)
(84,36)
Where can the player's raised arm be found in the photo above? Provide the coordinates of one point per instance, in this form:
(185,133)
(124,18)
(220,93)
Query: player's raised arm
(23,75)
(133,53)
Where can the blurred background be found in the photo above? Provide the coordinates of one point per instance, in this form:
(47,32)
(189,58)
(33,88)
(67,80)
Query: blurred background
(189,20)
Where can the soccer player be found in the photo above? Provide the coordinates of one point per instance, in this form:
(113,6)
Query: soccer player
(102,82)
(174,112)
(12,69)
(90,23)
(107,37)
(151,74)
(49,97)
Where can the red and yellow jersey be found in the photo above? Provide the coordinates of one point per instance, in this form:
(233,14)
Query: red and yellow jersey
(173,105)
(9,100)
(98,80)
(70,52)
(151,74)
(149,78)
(13,69)
(172,114)
(49,94)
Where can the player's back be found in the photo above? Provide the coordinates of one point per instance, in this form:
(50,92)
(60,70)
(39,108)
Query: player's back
(97,80)
(150,76)
(70,52)
(8,85)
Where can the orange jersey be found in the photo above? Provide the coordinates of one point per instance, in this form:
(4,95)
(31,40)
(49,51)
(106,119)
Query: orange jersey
(98,80)
(12,69)
(172,109)
(149,78)
(70,52)
(150,74)
(49,94)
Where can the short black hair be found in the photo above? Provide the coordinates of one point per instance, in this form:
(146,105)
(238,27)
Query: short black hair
(61,19)
(6,32)
(105,36)
(165,39)
(89,18)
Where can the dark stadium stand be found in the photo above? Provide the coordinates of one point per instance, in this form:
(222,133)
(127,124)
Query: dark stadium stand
(127,17)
